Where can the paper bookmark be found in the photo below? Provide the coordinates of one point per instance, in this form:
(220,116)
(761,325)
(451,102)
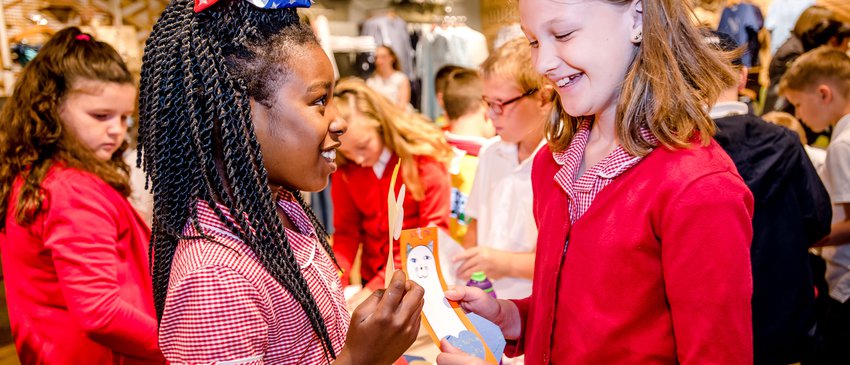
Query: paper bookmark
(443,319)
(395,214)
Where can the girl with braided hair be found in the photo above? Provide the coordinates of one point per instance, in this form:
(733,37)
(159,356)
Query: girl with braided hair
(75,259)
(237,116)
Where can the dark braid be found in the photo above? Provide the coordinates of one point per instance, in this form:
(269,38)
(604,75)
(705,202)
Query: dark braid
(199,73)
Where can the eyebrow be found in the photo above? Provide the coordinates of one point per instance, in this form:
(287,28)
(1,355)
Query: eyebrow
(321,85)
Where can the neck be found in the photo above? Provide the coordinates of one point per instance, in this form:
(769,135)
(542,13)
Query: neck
(385,71)
(604,127)
(728,95)
(527,145)
(469,125)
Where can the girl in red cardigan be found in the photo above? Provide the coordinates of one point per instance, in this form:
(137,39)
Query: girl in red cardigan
(644,223)
(380,136)
(75,256)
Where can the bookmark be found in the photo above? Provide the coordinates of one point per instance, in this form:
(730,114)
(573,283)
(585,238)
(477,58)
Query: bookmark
(444,319)
(395,214)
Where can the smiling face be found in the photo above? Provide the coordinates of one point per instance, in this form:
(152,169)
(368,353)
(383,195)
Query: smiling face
(96,113)
(299,131)
(584,47)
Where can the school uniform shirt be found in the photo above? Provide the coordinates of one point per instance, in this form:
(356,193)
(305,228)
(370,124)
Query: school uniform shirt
(655,271)
(224,306)
(501,203)
(360,213)
(837,173)
(792,212)
(77,282)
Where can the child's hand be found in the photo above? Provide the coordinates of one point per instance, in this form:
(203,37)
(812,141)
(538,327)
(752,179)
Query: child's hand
(452,355)
(502,313)
(385,324)
(484,259)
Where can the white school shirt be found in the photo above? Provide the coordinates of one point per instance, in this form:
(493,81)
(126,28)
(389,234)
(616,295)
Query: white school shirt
(837,181)
(501,201)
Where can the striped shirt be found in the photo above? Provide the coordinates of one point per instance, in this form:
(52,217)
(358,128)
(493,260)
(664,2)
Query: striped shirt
(224,307)
(581,190)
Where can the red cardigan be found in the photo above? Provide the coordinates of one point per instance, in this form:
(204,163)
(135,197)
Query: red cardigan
(657,271)
(77,280)
(360,213)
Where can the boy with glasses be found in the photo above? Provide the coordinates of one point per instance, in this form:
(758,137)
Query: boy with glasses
(502,233)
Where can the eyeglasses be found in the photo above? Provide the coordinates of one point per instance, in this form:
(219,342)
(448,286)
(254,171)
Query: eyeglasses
(498,108)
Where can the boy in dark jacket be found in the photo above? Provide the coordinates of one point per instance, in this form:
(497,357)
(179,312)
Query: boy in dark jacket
(792,212)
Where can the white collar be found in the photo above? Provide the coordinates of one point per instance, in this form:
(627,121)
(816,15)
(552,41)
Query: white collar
(382,162)
(728,109)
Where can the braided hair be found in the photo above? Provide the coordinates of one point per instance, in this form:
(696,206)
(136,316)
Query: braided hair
(199,73)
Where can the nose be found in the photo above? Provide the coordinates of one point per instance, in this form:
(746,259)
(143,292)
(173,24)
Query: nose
(338,125)
(116,127)
(544,58)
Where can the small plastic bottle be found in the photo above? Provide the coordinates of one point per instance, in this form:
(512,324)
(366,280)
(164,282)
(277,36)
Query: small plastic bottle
(479,280)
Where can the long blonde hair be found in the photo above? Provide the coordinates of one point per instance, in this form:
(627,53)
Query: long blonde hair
(673,76)
(406,134)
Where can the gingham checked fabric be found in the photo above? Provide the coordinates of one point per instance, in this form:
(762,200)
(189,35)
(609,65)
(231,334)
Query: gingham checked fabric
(223,306)
(583,190)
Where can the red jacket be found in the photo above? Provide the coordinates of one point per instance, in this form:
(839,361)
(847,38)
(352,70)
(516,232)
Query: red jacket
(657,271)
(77,280)
(360,213)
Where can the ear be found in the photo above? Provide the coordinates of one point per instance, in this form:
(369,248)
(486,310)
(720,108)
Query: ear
(636,14)
(431,246)
(742,78)
(409,247)
(825,94)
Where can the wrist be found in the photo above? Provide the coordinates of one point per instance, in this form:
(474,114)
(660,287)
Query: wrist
(508,319)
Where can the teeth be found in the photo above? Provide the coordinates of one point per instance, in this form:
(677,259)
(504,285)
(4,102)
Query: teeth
(568,80)
(329,155)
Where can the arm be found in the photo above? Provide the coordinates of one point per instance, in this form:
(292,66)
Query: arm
(840,231)
(347,222)
(839,173)
(214,314)
(707,271)
(81,235)
(404,94)
(496,263)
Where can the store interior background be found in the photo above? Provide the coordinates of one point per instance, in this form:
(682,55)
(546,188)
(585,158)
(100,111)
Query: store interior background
(126,24)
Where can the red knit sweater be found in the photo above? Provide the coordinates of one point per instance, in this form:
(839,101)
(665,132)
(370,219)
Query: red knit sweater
(657,271)
(360,213)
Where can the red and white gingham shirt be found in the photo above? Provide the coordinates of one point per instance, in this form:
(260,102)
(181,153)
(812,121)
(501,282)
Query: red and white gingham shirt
(582,191)
(223,306)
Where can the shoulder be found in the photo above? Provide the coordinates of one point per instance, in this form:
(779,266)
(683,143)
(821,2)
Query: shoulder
(426,164)
(199,262)
(398,76)
(63,177)
(680,167)
(544,163)
(70,188)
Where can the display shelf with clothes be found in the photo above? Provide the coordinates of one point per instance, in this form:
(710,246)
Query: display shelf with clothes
(390,30)
(450,43)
